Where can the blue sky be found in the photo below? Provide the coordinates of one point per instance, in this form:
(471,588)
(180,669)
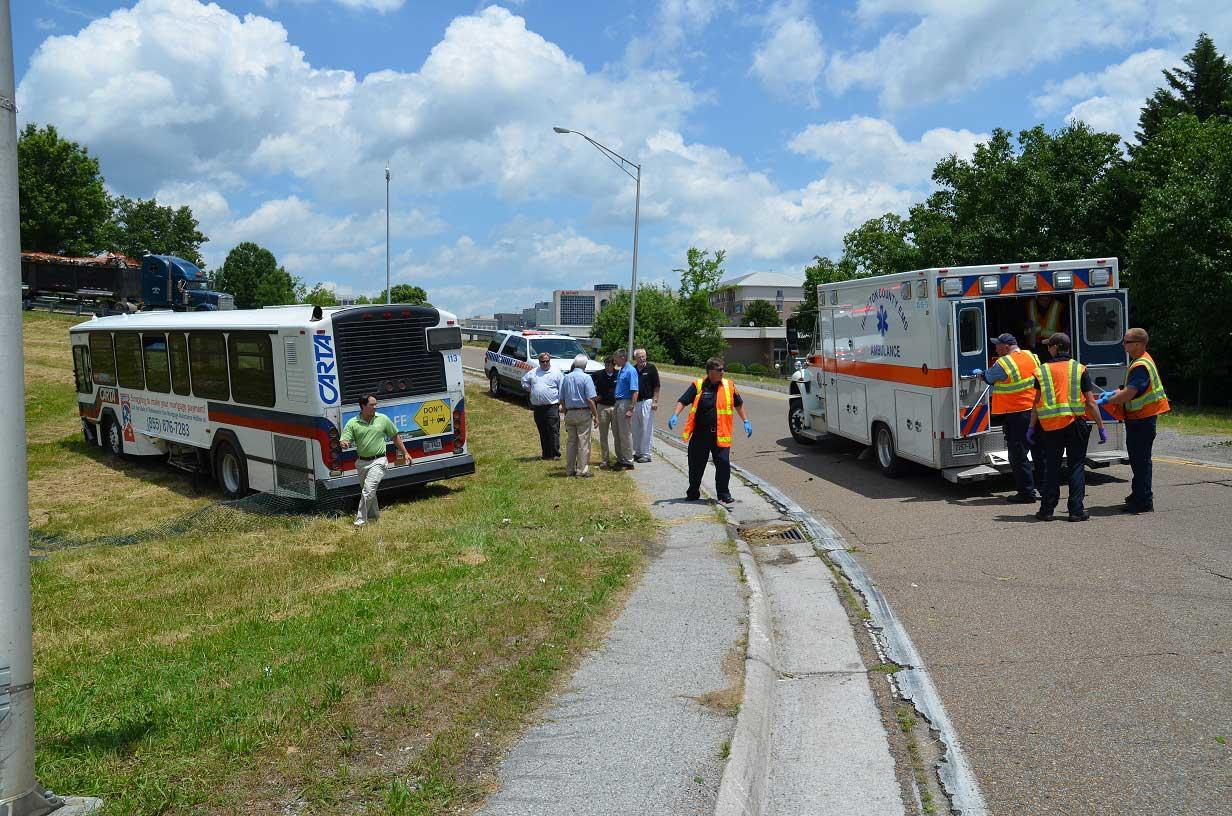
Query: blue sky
(768,129)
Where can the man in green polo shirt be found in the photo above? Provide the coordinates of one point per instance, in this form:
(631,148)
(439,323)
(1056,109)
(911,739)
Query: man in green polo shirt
(368,433)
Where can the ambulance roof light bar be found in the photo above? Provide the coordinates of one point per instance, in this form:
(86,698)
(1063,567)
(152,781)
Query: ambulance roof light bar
(1063,280)
(990,284)
(1101,277)
(951,286)
(1027,282)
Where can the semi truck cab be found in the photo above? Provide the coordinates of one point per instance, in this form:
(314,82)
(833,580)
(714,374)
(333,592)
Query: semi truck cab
(170,281)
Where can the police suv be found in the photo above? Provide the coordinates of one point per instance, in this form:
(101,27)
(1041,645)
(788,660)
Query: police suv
(513,353)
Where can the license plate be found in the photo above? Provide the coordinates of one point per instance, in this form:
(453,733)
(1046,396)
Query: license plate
(966,447)
(431,445)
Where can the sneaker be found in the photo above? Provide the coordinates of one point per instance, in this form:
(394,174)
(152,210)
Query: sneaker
(359,522)
(641,460)
(625,465)
(1083,516)
(1138,508)
(1022,498)
(727,500)
(587,475)
(1044,515)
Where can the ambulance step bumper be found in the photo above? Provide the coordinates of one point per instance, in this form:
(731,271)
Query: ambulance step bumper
(971,473)
(1102,459)
(816,436)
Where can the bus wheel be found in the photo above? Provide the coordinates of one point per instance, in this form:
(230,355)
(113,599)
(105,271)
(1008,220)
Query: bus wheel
(113,437)
(494,387)
(795,420)
(231,470)
(887,458)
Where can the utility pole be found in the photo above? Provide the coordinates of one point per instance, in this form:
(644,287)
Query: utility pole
(20,793)
(389,292)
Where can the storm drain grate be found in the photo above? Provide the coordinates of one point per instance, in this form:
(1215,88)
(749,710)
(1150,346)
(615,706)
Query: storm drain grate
(771,533)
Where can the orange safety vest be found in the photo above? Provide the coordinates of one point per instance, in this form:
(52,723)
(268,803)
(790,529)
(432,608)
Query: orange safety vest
(1048,324)
(724,399)
(1014,394)
(1060,399)
(1153,400)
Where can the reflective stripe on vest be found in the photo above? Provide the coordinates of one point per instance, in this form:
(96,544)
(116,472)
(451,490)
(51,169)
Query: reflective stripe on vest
(1060,398)
(724,398)
(1153,400)
(1014,394)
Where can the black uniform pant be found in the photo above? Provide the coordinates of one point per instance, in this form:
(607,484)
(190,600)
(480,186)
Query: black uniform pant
(547,420)
(704,445)
(1069,442)
(1027,474)
(1139,439)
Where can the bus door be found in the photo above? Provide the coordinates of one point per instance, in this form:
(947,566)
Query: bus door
(1099,325)
(969,349)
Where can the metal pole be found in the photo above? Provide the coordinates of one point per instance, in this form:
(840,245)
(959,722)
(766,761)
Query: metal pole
(637,215)
(389,292)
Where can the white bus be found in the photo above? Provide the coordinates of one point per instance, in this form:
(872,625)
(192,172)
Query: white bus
(258,397)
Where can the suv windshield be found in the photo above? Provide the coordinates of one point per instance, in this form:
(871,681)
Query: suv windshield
(559,347)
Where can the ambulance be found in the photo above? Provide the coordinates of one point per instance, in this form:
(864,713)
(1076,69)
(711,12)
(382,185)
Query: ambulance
(895,358)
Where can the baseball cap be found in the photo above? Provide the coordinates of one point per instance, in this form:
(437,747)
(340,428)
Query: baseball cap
(1006,338)
(1058,339)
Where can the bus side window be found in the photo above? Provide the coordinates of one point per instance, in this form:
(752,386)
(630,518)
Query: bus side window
(178,352)
(207,353)
(81,369)
(102,357)
(128,360)
(157,376)
(252,368)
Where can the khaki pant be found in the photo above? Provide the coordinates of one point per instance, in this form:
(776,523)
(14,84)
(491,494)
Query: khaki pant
(607,418)
(577,446)
(624,432)
(370,472)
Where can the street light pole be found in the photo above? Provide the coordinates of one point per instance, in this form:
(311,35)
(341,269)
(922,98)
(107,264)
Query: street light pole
(389,292)
(624,164)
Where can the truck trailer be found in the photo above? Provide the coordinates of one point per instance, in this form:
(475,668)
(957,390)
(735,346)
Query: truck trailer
(110,283)
(894,358)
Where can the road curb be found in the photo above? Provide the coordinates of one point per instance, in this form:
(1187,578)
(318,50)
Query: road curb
(913,681)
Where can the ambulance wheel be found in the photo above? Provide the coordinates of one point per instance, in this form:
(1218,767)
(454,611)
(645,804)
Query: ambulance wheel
(795,420)
(231,470)
(494,386)
(113,437)
(887,457)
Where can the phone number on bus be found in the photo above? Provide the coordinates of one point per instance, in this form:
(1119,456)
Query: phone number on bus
(167,426)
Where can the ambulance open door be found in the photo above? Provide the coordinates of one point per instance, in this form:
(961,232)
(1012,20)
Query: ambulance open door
(969,350)
(1099,326)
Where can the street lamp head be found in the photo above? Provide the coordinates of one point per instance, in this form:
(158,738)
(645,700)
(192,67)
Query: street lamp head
(562,130)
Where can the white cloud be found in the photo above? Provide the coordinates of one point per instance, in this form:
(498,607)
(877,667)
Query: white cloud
(675,22)
(865,148)
(1110,99)
(382,6)
(790,57)
(937,50)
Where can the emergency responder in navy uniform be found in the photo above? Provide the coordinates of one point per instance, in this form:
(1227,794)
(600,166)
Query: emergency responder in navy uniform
(1142,399)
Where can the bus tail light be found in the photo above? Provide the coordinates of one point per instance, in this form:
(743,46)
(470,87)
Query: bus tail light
(459,429)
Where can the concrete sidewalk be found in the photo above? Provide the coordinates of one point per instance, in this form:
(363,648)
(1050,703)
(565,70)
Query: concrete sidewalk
(646,722)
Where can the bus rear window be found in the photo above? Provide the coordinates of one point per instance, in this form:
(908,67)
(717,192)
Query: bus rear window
(449,337)
(252,368)
(208,355)
(128,360)
(102,360)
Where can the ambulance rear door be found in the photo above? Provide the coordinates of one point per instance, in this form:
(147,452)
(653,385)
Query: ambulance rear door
(969,351)
(1099,326)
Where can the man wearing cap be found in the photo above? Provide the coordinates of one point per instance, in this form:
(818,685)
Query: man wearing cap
(577,406)
(1012,378)
(1065,399)
(1143,399)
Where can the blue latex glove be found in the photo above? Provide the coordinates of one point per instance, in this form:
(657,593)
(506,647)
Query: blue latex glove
(1103,435)
(748,428)
(1031,435)
(671,422)
(979,372)
(1104,397)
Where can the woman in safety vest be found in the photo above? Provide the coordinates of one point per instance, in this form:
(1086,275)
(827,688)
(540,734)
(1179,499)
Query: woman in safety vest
(1066,398)
(711,401)
(1143,399)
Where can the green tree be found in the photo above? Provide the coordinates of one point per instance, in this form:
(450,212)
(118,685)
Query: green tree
(697,335)
(319,295)
(1203,89)
(253,276)
(822,270)
(654,324)
(761,313)
(405,293)
(1180,252)
(141,225)
(879,246)
(64,206)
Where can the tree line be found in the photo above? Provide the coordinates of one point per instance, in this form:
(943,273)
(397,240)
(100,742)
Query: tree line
(66,210)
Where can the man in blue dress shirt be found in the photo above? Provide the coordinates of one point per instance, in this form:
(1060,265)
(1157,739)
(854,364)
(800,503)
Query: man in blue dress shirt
(626,397)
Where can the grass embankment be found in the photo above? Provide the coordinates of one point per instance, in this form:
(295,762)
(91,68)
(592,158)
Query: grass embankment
(294,664)
(748,379)
(1186,420)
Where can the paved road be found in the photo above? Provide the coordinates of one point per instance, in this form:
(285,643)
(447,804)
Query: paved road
(1086,666)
